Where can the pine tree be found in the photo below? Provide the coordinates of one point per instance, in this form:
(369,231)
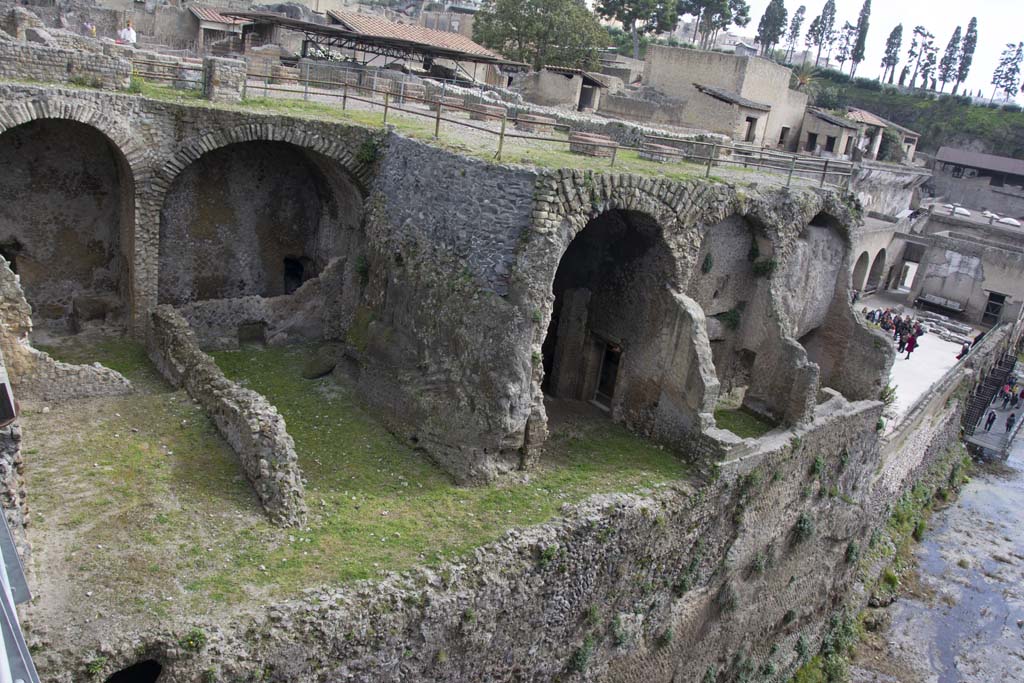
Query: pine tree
(950,64)
(772,26)
(919,48)
(822,31)
(970,42)
(929,60)
(893,45)
(795,25)
(639,17)
(999,76)
(1010,83)
(860,44)
(846,40)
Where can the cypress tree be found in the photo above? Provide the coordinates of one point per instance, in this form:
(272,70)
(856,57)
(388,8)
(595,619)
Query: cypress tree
(970,42)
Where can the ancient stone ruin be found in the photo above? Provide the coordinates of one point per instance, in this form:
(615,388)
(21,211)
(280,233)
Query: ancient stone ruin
(482,317)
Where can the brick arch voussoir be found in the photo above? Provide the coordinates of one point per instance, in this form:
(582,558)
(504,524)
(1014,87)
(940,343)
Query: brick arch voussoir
(16,114)
(191,150)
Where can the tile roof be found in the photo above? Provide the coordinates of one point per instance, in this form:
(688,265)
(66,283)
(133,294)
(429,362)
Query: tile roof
(986,162)
(861,116)
(731,97)
(588,78)
(371,25)
(833,119)
(212,15)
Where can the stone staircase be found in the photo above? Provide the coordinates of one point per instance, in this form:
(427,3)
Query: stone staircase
(987,391)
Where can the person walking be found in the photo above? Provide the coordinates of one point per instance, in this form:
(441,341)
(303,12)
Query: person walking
(1010,420)
(911,345)
(990,420)
(903,344)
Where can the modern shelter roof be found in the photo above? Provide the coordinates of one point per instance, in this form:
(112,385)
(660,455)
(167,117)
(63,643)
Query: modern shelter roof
(393,46)
(986,162)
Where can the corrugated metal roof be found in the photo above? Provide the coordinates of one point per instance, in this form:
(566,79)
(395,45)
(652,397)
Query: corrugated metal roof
(379,27)
(731,97)
(831,118)
(212,15)
(986,162)
(867,117)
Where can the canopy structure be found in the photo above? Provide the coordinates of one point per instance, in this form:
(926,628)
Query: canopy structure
(321,40)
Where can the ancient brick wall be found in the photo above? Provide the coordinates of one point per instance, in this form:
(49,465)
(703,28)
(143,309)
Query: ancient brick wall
(24,61)
(246,420)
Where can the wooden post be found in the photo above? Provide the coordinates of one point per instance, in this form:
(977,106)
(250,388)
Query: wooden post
(437,117)
(824,172)
(386,99)
(344,94)
(501,135)
(711,154)
(305,82)
(792,167)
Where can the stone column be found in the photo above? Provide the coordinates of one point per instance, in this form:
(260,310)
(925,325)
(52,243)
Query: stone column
(875,145)
(223,79)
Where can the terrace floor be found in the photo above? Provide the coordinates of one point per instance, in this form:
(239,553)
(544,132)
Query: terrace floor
(928,364)
(141,516)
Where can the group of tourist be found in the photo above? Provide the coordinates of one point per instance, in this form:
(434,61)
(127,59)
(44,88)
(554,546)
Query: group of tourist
(906,331)
(1010,395)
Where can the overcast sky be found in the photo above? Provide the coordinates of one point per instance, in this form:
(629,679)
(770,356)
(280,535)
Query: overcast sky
(999,22)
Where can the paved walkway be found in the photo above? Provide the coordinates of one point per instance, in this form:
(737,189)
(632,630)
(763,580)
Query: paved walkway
(928,364)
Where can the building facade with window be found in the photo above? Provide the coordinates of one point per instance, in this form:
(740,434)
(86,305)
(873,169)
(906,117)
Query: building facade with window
(980,181)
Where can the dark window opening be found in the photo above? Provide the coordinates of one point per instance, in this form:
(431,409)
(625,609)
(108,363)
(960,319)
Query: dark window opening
(830,143)
(252,333)
(993,308)
(609,373)
(849,146)
(812,142)
(751,129)
(144,672)
(294,272)
(784,135)
(10,250)
(958,172)
(8,411)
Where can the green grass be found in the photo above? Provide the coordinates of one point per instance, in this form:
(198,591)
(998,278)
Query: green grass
(742,423)
(125,355)
(543,155)
(384,505)
(149,503)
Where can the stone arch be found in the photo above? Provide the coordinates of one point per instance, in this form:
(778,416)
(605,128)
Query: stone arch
(860,271)
(876,272)
(131,172)
(336,184)
(192,149)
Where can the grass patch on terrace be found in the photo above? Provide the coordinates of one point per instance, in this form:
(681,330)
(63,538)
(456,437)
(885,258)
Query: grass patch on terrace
(742,422)
(139,500)
(479,144)
(377,503)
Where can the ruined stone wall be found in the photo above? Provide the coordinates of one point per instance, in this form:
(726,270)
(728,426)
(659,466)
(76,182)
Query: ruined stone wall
(13,492)
(60,214)
(650,588)
(23,61)
(34,374)
(887,189)
(246,420)
(158,140)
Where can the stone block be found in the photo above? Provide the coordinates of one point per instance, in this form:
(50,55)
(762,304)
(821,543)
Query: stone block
(532,123)
(223,79)
(446,103)
(661,154)
(592,145)
(485,112)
